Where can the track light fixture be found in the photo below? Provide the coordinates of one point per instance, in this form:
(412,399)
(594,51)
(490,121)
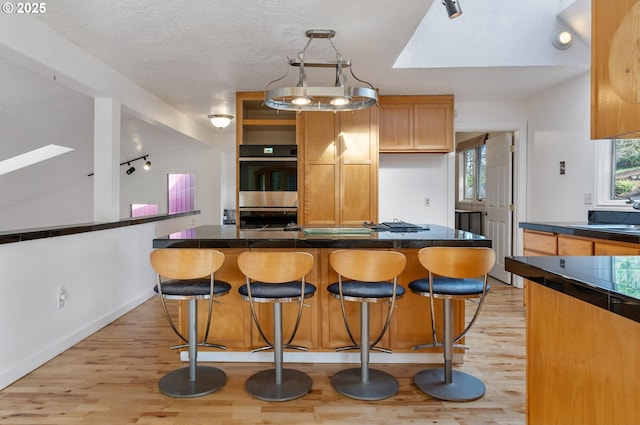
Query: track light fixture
(453,8)
(303,97)
(131,169)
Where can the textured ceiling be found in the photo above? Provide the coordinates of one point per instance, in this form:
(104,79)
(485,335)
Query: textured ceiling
(195,55)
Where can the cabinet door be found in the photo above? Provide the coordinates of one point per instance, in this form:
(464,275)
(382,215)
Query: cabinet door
(340,167)
(615,98)
(432,124)
(358,159)
(396,127)
(321,172)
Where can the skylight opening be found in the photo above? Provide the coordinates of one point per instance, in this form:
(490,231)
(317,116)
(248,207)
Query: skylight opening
(32,157)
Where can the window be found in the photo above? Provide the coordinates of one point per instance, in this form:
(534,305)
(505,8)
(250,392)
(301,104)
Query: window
(625,167)
(474,169)
(142,210)
(181,189)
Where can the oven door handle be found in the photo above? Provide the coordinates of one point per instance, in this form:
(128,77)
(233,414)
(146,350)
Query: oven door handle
(269,209)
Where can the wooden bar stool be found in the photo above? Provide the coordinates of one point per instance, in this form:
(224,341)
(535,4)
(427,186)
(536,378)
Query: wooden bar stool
(277,277)
(455,273)
(188,274)
(371,277)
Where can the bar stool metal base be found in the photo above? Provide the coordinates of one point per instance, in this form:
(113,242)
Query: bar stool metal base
(263,386)
(381,385)
(463,387)
(177,383)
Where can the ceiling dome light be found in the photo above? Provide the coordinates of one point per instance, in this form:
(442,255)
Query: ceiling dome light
(562,39)
(453,8)
(303,97)
(220,120)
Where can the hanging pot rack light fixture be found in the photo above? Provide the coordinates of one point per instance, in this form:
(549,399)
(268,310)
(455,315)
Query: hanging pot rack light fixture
(303,97)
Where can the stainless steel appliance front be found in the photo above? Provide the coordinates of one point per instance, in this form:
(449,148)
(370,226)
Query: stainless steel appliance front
(268,186)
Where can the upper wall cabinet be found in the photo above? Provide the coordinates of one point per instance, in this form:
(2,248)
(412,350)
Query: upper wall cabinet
(416,124)
(258,124)
(615,69)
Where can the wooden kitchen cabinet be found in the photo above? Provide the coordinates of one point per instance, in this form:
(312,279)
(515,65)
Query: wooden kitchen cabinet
(615,248)
(540,243)
(340,167)
(569,245)
(615,69)
(416,124)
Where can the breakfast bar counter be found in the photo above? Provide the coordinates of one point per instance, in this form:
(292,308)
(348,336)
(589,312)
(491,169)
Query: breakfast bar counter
(322,329)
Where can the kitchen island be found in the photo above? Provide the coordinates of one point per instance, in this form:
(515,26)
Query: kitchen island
(583,338)
(322,328)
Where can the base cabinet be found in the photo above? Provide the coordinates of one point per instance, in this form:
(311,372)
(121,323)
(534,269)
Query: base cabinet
(582,362)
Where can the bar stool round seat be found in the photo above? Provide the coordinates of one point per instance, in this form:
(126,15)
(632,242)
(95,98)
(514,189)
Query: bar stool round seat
(180,277)
(454,273)
(277,278)
(372,278)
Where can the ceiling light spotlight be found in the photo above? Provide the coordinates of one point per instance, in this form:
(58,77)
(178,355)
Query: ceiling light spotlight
(302,97)
(562,39)
(147,165)
(130,170)
(220,120)
(453,8)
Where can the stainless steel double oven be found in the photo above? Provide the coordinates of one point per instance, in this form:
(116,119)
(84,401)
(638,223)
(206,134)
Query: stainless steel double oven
(268,191)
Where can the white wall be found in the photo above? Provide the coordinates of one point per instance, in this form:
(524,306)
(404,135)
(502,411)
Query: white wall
(205,161)
(405,180)
(105,274)
(559,127)
(215,181)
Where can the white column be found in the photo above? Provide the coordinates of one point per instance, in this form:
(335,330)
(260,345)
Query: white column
(106,160)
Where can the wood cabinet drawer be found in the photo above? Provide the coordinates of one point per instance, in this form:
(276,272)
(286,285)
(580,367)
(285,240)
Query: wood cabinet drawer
(541,242)
(608,248)
(568,245)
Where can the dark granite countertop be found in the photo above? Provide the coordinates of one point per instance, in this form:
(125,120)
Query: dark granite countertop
(11,236)
(618,226)
(611,283)
(228,236)
(581,229)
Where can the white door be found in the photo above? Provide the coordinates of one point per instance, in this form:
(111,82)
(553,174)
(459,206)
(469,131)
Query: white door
(499,199)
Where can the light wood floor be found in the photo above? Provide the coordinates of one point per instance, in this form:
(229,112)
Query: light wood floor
(111,378)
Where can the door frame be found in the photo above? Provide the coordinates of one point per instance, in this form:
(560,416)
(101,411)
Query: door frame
(519,178)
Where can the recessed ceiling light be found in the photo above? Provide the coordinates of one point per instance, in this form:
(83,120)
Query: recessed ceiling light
(32,157)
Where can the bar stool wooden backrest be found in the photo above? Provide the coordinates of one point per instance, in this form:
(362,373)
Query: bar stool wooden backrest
(189,274)
(275,267)
(186,263)
(368,265)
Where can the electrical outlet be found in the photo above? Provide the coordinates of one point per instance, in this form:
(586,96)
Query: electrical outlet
(587,199)
(62,296)
(427,202)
